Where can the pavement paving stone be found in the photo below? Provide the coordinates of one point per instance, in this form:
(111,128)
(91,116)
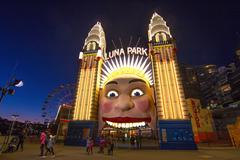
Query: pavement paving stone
(31,152)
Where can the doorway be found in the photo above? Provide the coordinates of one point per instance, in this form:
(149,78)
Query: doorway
(132,138)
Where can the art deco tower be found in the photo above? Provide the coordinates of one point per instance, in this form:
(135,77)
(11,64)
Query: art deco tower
(86,101)
(170,100)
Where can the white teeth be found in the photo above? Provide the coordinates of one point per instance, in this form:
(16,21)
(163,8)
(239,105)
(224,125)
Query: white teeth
(126,125)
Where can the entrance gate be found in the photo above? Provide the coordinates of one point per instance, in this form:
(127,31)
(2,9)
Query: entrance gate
(132,138)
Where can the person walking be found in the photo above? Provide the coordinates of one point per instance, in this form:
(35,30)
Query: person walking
(110,145)
(139,141)
(89,145)
(43,137)
(50,144)
(20,140)
(101,144)
(132,142)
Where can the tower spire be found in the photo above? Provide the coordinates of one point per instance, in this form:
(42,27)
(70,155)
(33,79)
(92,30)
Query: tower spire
(95,39)
(158,25)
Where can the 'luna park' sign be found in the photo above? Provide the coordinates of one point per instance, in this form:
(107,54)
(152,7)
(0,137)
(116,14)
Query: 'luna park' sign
(130,50)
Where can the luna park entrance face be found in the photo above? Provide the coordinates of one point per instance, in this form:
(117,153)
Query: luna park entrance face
(132,138)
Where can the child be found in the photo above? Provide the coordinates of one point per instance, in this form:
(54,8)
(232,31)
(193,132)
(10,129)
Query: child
(50,145)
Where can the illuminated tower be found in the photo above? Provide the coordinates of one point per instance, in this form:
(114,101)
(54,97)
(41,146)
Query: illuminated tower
(174,126)
(170,100)
(89,75)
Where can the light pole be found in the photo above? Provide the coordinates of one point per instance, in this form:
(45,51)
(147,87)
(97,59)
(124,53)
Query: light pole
(9,88)
(14,116)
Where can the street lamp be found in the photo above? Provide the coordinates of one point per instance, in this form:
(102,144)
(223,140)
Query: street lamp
(9,88)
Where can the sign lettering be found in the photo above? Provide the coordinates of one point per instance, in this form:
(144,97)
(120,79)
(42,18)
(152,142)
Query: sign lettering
(130,50)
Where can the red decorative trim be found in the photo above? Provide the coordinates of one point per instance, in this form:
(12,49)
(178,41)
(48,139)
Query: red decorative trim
(65,120)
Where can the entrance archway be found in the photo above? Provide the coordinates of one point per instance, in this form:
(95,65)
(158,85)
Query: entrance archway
(132,138)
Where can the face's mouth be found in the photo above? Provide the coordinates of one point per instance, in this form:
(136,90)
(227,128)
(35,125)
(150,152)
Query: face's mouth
(126,122)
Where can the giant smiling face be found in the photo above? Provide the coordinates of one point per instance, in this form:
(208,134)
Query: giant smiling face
(126,102)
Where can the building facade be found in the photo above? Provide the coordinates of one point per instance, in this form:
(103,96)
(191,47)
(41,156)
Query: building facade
(130,91)
(223,85)
(235,77)
(190,81)
(207,78)
(209,83)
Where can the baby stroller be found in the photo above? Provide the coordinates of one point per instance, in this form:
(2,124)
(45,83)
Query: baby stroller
(12,145)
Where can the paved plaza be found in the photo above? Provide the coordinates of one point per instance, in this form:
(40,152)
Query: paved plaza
(31,152)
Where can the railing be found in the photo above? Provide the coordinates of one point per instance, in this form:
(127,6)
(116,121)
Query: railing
(234,130)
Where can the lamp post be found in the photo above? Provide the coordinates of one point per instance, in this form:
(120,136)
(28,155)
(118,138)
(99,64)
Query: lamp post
(9,88)
(14,117)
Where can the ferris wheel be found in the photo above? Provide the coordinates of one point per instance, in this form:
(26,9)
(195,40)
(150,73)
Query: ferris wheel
(63,94)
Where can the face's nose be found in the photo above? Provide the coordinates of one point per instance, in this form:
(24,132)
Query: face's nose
(125,103)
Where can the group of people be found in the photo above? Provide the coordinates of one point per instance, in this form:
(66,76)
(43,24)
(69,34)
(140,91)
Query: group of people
(109,142)
(136,140)
(47,141)
(103,142)
(16,142)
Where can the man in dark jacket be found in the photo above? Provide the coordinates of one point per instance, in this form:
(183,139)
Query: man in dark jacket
(20,140)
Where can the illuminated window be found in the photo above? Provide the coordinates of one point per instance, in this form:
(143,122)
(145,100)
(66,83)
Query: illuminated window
(160,37)
(164,37)
(226,88)
(88,46)
(157,37)
(93,45)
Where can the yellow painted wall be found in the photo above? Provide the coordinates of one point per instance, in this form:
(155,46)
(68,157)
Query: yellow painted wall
(202,121)
(201,118)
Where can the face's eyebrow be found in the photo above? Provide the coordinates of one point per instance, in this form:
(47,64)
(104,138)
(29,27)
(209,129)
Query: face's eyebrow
(136,80)
(111,82)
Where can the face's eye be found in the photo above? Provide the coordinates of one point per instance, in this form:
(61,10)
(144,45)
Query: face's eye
(137,93)
(112,94)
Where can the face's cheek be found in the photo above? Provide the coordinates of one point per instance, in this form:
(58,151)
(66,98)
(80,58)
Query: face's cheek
(106,106)
(142,103)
